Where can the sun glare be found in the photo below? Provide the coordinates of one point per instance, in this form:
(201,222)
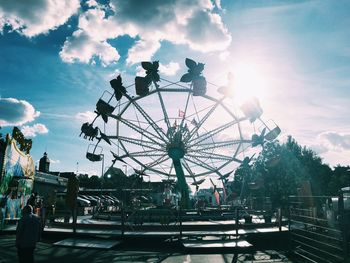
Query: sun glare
(248,81)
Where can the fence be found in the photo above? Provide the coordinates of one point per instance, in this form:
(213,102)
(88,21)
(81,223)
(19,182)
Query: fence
(319,228)
(206,222)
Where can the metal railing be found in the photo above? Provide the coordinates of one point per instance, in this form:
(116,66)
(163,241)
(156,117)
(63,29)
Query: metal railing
(318,227)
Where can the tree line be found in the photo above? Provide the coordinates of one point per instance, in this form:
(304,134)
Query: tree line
(281,169)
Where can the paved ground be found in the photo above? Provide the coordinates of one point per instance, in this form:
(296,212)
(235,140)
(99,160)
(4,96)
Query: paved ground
(145,249)
(130,251)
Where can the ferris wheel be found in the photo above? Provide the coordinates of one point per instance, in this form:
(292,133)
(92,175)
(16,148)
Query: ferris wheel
(187,130)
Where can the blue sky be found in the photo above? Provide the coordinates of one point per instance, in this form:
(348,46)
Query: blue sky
(56,59)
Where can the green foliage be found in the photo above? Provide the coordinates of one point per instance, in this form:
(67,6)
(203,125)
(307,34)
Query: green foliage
(281,171)
(340,178)
(93,182)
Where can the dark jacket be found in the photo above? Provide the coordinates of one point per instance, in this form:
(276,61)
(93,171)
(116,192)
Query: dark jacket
(28,231)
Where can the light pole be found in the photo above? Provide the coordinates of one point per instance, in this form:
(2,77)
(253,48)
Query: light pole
(103,163)
(102,177)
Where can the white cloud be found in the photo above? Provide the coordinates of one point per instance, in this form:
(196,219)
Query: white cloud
(32,18)
(169,69)
(14,112)
(333,147)
(32,131)
(224,55)
(193,23)
(319,148)
(115,73)
(334,140)
(86,116)
(82,48)
(52,161)
(143,50)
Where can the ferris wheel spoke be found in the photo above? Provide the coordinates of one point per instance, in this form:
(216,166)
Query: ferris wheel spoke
(211,133)
(138,142)
(164,157)
(241,149)
(199,163)
(165,114)
(171,167)
(188,169)
(218,161)
(137,161)
(121,110)
(143,153)
(170,83)
(208,155)
(186,107)
(215,145)
(141,131)
(202,121)
(123,148)
(186,166)
(148,118)
(164,167)
(141,143)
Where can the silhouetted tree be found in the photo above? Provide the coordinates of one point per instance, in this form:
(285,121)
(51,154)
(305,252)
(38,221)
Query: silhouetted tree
(340,178)
(92,182)
(283,167)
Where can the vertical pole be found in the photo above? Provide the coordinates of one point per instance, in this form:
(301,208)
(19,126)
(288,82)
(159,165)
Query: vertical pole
(180,220)
(343,225)
(102,177)
(103,164)
(122,218)
(289,224)
(74,215)
(237,221)
(279,219)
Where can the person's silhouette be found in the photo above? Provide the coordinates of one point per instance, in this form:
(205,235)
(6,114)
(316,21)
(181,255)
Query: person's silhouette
(28,233)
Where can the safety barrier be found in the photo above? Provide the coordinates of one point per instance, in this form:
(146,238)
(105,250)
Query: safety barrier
(318,228)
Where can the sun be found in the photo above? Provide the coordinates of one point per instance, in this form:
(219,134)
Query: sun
(247,81)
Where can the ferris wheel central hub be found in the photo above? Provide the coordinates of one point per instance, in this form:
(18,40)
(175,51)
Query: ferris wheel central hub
(176,153)
(176,147)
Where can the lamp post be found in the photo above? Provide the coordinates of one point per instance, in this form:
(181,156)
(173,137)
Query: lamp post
(102,177)
(103,163)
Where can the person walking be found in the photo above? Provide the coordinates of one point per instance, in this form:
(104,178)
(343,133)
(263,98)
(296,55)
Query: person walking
(28,233)
(3,204)
(32,200)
